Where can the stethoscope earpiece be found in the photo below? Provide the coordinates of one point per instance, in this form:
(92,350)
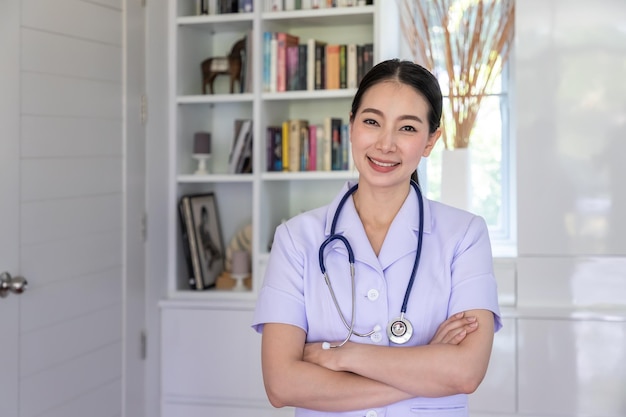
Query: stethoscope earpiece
(399,330)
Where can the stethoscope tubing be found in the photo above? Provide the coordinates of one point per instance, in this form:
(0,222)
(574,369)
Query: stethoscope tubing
(334,236)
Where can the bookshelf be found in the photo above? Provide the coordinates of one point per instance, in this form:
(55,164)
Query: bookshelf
(192,321)
(261,198)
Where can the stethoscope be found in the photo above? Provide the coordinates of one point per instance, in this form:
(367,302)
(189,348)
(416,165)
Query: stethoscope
(400,329)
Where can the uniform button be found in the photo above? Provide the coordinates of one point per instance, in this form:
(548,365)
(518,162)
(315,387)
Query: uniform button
(376,337)
(371,413)
(373,295)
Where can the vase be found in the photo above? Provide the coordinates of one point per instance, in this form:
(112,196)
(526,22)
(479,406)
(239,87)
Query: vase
(456,178)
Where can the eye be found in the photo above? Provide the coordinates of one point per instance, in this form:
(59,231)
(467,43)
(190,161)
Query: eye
(370,122)
(408,128)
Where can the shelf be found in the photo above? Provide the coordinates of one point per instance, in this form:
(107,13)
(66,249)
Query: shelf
(230,22)
(310,95)
(343,16)
(214,298)
(201,179)
(309,175)
(215,98)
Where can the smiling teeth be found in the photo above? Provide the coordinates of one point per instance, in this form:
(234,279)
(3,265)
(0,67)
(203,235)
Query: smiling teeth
(383,164)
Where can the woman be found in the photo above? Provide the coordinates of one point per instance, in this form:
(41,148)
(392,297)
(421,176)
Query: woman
(444,317)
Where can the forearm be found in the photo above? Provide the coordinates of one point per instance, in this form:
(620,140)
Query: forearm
(311,386)
(428,371)
(290,380)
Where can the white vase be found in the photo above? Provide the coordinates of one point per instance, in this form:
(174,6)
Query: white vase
(456,178)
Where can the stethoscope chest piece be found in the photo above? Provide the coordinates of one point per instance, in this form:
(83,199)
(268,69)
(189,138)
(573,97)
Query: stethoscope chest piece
(399,330)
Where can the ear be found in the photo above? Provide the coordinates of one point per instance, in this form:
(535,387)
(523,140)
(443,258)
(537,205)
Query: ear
(350,123)
(432,140)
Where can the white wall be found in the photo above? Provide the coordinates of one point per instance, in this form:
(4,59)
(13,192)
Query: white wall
(563,348)
(566,342)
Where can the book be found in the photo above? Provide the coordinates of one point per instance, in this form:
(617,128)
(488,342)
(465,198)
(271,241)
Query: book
(352,67)
(272,64)
(284,40)
(189,244)
(244,162)
(336,149)
(296,142)
(285,144)
(274,148)
(320,65)
(343,66)
(292,68)
(267,39)
(311,63)
(302,67)
(312,160)
(319,145)
(332,67)
(243,127)
(345,146)
(325,151)
(245,6)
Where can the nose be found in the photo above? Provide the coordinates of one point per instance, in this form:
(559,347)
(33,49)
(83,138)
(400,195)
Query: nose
(386,141)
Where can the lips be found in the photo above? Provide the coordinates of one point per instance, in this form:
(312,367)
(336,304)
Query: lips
(383,164)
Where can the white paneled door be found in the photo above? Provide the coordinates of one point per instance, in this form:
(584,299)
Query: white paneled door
(71,205)
(9,196)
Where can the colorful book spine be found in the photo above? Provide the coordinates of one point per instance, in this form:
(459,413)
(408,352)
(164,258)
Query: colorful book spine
(343,66)
(267,60)
(292,68)
(284,40)
(352,66)
(332,67)
(285,145)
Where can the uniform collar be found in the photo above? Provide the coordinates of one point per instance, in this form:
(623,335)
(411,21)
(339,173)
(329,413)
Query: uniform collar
(400,239)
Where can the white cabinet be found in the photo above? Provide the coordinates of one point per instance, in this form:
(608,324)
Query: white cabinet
(211,361)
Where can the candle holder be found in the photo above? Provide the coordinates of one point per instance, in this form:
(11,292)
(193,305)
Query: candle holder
(240,269)
(239,282)
(202,159)
(201,151)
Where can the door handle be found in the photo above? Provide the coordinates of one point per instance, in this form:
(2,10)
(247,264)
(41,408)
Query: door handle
(16,285)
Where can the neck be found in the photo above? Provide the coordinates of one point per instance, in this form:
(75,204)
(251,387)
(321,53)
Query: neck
(378,208)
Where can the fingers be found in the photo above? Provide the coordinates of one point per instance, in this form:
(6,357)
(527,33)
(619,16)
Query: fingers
(455,329)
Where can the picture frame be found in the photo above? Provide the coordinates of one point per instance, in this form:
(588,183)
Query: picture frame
(202,239)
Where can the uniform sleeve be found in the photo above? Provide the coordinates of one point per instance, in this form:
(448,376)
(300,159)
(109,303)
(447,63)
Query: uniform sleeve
(473,282)
(281,298)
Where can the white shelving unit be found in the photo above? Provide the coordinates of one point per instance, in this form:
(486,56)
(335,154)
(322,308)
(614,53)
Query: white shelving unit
(202,374)
(262,198)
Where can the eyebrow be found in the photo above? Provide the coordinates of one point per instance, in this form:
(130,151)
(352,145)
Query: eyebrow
(404,117)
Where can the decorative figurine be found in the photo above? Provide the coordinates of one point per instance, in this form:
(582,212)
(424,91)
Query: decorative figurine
(229,65)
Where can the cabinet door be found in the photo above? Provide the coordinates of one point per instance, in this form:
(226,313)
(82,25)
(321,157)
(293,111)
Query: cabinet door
(212,358)
(572,367)
(497,393)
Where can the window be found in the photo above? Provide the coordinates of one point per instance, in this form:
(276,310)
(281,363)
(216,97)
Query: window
(491,142)
(493,168)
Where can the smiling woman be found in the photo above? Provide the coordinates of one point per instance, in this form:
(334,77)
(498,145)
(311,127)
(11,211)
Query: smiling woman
(350,352)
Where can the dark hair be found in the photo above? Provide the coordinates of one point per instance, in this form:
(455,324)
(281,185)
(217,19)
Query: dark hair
(409,73)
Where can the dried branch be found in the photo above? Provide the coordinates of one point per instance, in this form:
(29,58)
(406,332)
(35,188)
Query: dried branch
(471,40)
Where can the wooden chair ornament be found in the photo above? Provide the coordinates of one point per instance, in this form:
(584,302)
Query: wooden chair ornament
(227,65)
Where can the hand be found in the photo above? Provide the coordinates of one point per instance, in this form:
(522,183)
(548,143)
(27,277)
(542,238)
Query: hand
(454,330)
(316,354)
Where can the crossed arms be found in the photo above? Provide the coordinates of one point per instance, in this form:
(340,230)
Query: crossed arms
(357,376)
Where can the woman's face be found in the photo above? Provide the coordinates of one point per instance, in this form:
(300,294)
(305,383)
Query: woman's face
(389,133)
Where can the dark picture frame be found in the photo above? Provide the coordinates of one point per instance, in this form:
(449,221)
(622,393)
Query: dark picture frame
(202,239)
